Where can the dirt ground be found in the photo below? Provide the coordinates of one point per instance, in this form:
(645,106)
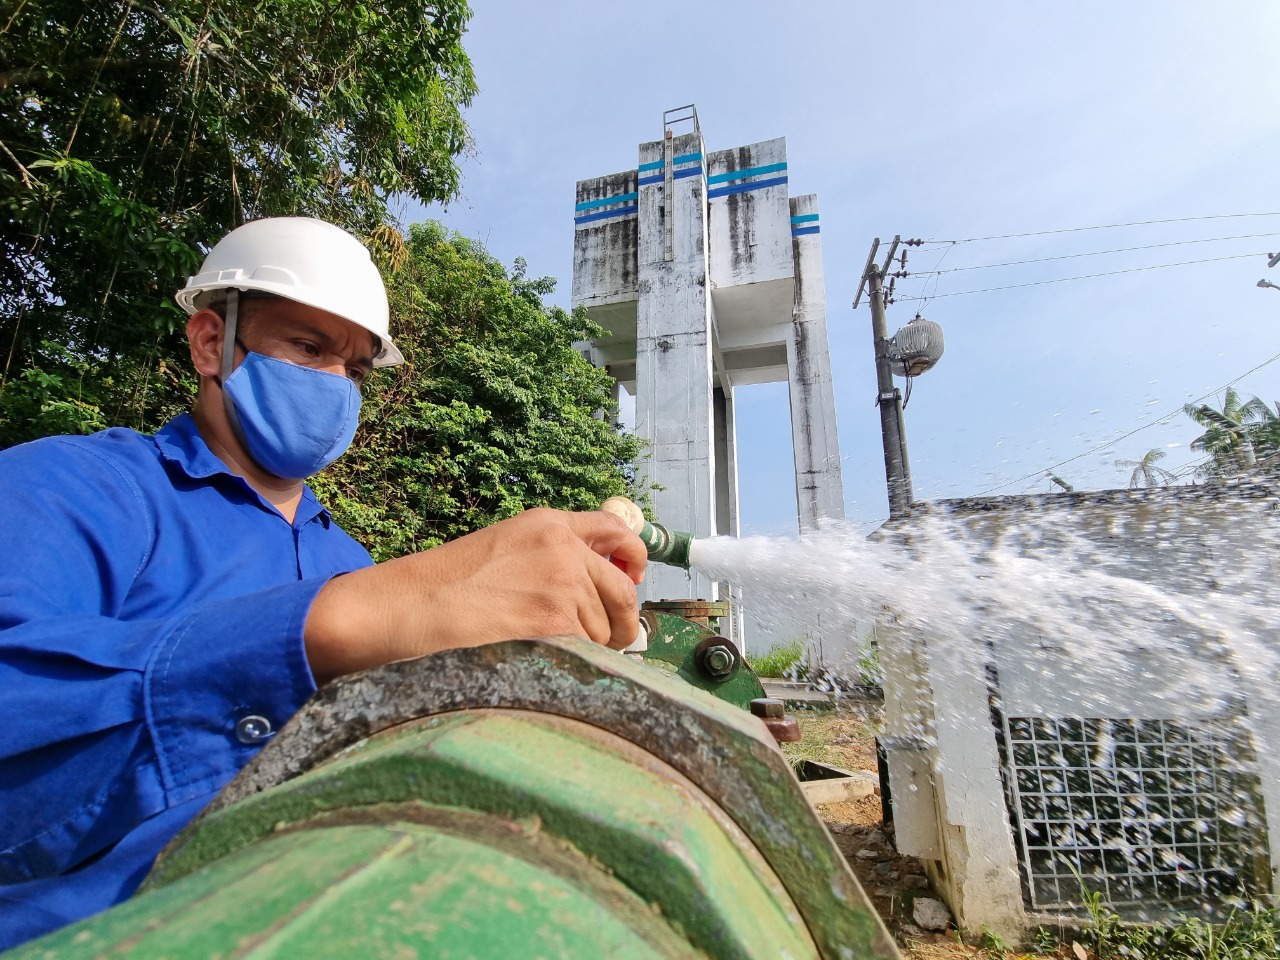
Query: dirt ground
(846,738)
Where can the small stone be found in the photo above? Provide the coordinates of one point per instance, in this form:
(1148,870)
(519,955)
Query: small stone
(867,854)
(930,914)
(908,930)
(839,828)
(914,882)
(885,871)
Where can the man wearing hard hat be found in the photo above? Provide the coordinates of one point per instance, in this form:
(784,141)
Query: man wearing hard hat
(168,601)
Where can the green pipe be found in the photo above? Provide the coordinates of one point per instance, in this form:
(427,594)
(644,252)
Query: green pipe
(665,546)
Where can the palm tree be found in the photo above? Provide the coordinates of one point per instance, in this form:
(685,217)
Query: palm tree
(1263,425)
(1146,473)
(1226,437)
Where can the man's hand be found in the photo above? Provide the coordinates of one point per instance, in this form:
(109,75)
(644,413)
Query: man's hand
(543,573)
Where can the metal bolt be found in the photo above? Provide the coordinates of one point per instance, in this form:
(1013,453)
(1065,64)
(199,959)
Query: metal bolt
(719,661)
(717,658)
(767,707)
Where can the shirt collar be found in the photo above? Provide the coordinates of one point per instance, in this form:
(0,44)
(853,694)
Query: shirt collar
(179,443)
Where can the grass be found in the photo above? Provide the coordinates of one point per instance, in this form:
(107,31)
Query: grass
(814,743)
(828,737)
(778,659)
(1246,934)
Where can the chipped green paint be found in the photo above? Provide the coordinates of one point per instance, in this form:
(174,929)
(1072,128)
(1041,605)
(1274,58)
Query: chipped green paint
(651,829)
(674,646)
(401,889)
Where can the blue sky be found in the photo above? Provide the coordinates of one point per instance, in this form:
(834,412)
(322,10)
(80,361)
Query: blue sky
(944,121)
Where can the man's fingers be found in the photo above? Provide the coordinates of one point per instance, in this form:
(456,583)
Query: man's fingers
(617,599)
(608,536)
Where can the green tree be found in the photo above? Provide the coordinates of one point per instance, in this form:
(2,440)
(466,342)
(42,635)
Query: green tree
(1263,424)
(494,411)
(1146,473)
(132,132)
(1238,438)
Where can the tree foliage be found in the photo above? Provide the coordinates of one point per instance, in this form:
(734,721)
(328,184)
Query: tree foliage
(493,411)
(1146,473)
(1238,438)
(132,131)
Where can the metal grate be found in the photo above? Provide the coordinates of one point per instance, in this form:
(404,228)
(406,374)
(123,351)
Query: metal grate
(1142,811)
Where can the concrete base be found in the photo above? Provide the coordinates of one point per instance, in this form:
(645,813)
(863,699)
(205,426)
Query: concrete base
(822,783)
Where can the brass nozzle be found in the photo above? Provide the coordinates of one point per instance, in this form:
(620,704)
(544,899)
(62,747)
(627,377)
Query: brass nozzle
(665,546)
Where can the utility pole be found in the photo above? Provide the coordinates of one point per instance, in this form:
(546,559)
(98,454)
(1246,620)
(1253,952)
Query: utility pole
(897,469)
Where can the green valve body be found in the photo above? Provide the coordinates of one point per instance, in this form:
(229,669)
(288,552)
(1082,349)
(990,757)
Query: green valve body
(665,546)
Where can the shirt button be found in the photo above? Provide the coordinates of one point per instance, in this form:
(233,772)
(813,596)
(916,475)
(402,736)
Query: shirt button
(253,729)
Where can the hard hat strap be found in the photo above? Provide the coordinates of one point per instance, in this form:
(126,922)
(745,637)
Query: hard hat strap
(230,338)
(231,317)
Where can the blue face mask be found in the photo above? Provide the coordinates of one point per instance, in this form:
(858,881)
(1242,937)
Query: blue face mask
(293,420)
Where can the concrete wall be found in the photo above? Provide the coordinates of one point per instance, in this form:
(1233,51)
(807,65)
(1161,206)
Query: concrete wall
(1214,546)
(749,216)
(605,271)
(604,239)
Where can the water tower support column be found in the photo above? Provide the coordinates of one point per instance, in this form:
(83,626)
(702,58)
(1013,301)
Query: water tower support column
(674,402)
(815,443)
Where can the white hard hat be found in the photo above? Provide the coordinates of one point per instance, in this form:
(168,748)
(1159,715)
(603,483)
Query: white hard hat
(302,259)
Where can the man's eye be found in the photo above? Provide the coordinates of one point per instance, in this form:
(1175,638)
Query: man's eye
(357,376)
(310,349)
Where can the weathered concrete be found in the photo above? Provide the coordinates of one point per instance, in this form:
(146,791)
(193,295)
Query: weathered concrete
(819,483)
(674,410)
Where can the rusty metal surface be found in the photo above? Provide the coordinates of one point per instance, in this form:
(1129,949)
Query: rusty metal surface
(699,611)
(723,749)
(773,712)
(784,729)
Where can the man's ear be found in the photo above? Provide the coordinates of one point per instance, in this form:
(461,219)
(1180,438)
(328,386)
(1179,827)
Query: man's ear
(204,334)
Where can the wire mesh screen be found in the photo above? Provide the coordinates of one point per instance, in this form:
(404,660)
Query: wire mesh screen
(1145,812)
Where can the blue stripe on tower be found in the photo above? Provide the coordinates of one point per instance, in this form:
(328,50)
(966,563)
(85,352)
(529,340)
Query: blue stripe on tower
(804,224)
(606,214)
(605,201)
(743,187)
(645,181)
(747,172)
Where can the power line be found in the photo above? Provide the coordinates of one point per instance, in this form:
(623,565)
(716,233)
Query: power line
(1087,276)
(1108,226)
(1110,443)
(1095,253)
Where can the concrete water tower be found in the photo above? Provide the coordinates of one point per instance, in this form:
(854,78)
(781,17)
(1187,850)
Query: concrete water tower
(707,274)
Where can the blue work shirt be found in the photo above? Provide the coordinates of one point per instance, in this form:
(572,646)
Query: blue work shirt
(150,601)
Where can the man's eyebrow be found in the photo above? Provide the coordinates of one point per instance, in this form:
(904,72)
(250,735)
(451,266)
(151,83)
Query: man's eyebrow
(301,326)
